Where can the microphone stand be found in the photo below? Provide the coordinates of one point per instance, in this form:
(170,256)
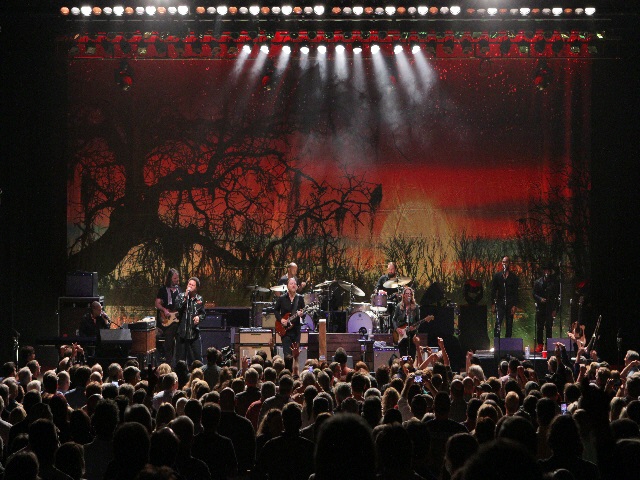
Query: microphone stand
(559,309)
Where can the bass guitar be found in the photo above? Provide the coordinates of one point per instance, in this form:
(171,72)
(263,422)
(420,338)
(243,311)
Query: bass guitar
(403,331)
(290,318)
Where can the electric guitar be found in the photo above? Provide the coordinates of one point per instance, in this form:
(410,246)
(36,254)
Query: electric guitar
(403,331)
(282,329)
(167,320)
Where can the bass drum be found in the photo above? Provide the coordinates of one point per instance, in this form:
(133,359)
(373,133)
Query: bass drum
(307,324)
(362,319)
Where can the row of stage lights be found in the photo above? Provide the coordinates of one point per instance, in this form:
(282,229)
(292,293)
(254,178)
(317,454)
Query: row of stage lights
(320,10)
(577,44)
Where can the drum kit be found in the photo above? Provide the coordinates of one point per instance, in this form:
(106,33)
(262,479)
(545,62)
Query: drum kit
(374,317)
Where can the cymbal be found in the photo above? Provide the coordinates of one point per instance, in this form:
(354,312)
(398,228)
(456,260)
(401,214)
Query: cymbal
(278,288)
(326,283)
(350,287)
(257,288)
(397,283)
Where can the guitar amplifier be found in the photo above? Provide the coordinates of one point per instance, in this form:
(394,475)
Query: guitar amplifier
(255,336)
(213,320)
(82,284)
(143,336)
(304,338)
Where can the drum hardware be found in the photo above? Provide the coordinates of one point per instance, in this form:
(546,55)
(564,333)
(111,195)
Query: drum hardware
(257,288)
(379,302)
(397,282)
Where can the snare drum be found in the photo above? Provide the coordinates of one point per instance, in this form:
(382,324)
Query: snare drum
(379,302)
(307,324)
(362,319)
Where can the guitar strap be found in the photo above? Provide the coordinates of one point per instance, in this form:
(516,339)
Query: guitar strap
(295,306)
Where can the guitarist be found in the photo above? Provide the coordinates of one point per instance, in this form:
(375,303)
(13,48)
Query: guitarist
(286,305)
(165,305)
(406,314)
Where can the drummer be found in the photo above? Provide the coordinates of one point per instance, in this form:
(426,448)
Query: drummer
(391,275)
(292,272)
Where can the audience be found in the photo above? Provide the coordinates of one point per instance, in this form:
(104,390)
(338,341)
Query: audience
(410,421)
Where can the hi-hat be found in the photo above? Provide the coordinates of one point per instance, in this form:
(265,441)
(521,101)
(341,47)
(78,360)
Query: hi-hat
(350,287)
(397,282)
(257,288)
(278,288)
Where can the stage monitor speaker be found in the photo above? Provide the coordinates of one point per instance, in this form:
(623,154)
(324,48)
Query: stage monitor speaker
(70,313)
(118,336)
(551,344)
(216,338)
(473,327)
(233,316)
(441,325)
(382,355)
(513,347)
(82,284)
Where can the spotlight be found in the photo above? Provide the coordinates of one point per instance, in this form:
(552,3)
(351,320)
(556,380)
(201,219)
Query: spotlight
(397,48)
(322,48)
(339,48)
(125,47)
(540,45)
(523,47)
(589,11)
(179,48)
(505,46)
(246,48)
(382,35)
(90,49)
(264,48)
(375,48)
(358,10)
(312,34)
(574,47)
(329,35)
(455,10)
(232,48)
(142,49)
(286,48)
(318,10)
(304,49)
(467,46)
(357,48)
(448,46)
(347,35)
(287,9)
(365,34)
(557,46)
(415,47)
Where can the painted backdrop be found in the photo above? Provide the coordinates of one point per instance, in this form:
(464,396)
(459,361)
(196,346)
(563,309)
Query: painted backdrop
(229,169)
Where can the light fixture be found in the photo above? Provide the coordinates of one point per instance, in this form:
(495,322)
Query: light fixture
(304,49)
(322,48)
(455,10)
(415,47)
(397,48)
(467,46)
(375,48)
(505,46)
(286,48)
(339,48)
(523,47)
(448,46)
(357,47)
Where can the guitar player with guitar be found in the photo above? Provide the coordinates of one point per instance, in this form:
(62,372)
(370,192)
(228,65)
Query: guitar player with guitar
(406,319)
(166,317)
(290,304)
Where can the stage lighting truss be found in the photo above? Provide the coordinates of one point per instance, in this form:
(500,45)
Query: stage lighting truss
(371,9)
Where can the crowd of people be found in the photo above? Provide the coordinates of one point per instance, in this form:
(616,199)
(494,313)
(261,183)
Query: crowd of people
(272,418)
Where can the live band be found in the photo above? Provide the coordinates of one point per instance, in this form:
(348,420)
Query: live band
(392,308)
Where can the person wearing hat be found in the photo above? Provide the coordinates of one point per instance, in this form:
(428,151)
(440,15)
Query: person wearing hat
(545,294)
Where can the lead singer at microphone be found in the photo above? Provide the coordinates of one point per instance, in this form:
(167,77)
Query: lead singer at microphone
(504,294)
(190,311)
(93,321)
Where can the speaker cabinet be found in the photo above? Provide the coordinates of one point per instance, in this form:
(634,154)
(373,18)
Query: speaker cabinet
(216,338)
(473,327)
(71,311)
(82,284)
(233,316)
